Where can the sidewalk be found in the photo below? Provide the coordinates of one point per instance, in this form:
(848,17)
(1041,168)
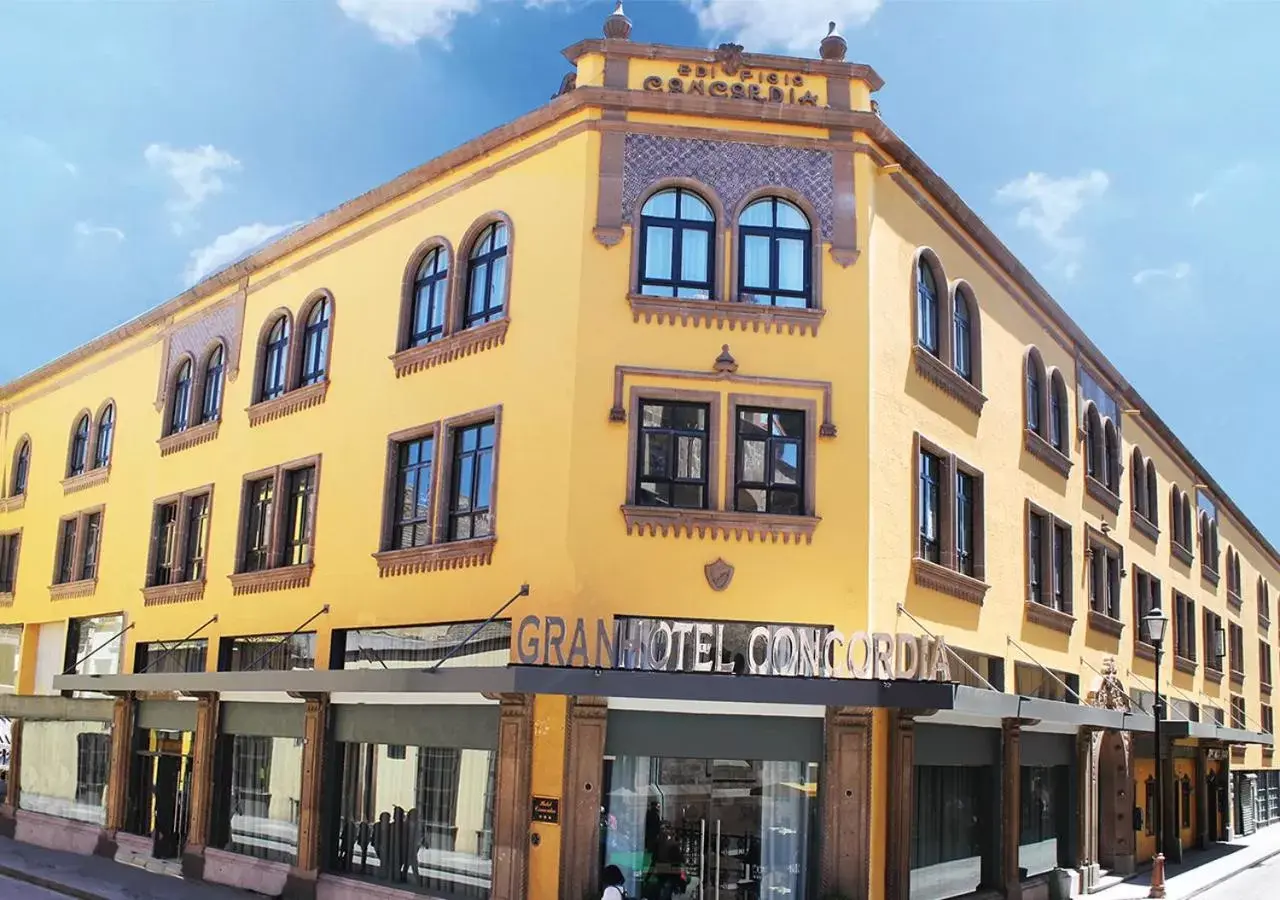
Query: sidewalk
(1201,870)
(95,878)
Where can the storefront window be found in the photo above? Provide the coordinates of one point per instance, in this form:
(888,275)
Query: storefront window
(710,827)
(268,652)
(160,790)
(94,645)
(64,769)
(10,642)
(168,657)
(952,830)
(259,784)
(417,646)
(419,818)
(1045,818)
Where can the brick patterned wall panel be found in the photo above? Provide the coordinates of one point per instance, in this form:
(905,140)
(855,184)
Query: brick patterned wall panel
(223,322)
(730,168)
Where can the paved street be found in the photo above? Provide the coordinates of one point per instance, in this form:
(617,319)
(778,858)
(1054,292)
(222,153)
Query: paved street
(17,890)
(1262,882)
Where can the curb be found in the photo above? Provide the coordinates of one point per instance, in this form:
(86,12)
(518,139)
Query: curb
(49,884)
(1253,865)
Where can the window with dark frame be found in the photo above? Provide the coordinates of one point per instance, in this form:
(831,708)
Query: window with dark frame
(67,550)
(671,455)
(211,401)
(93,764)
(1235,645)
(471,482)
(775,258)
(1268,719)
(963,336)
(769,461)
(105,437)
(927,307)
(1061,567)
(275,361)
(1237,712)
(315,344)
(21,468)
(415,461)
(1092,444)
(1036,527)
(1184,626)
(486,277)
(180,535)
(1264,600)
(1058,429)
(180,408)
(930,514)
(1212,624)
(1034,389)
(171,657)
(197,537)
(166,541)
(9,547)
(1105,564)
(79,456)
(430,299)
(1264,662)
(267,652)
(259,500)
(1146,597)
(1048,560)
(949,512)
(92,524)
(278,518)
(966,522)
(677,245)
(79,537)
(301,485)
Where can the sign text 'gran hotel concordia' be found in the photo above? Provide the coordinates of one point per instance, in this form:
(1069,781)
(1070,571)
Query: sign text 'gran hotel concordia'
(674,645)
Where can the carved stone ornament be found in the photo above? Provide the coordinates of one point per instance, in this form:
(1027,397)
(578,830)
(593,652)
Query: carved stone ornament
(567,84)
(833,46)
(729,56)
(725,361)
(1108,692)
(719,574)
(618,27)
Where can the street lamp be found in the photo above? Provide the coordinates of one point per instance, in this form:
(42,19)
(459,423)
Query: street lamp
(1157,623)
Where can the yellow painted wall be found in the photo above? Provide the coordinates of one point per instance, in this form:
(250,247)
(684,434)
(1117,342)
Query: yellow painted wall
(1145,848)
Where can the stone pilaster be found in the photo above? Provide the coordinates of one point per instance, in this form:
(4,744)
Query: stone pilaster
(1011,807)
(122,719)
(846,803)
(301,884)
(580,817)
(902,759)
(203,745)
(511,815)
(1088,807)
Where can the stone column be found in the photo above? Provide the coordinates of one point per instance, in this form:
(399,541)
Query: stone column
(845,792)
(1011,808)
(902,758)
(511,815)
(203,744)
(122,719)
(1088,807)
(583,789)
(14,786)
(301,883)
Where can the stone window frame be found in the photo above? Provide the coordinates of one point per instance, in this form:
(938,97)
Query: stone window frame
(734,253)
(1037,441)
(296,396)
(1210,556)
(180,591)
(943,576)
(1096,541)
(713,400)
(1235,598)
(1145,496)
(276,576)
(457,341)
(408,291)
(1102,443)
(1235,653)
(1265,663)
(1046,612)
(1180,534)
(940,370)
(1142,648)
(92,475)
(809,408)
(7,537)
(77,585)
(441,552)
(195,431)
(1212,662)
(13,499)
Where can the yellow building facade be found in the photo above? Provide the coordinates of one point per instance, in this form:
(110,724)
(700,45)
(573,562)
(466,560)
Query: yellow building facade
(679,478)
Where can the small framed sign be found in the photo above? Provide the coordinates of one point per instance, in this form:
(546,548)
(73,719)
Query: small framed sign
(546,809)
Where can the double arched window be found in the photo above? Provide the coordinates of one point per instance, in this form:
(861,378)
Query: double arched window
(21,468)
(288,360)
(487,277)
(1146,500)
(315,344)
(275,360)
(1180,517)
(195,390)
(430,298)
(947,323)
(677,245)
(1208,542)
(1045,401)
(91,441)
(775,260)
(1234,577)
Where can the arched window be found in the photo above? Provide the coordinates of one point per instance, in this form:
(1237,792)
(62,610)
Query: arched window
(1153,494)
(1094,464)
(21,468)
(963,336)
(275,360)
(486,277)
(79,455)
(211,401)
(1035,392)
(1111,449)
(1175,516)
(774,259)
(106,432)
(1186,519)
(927,307)
(1058,413)
(315,344)
(180,412)
(430,298)
(1139,485)
(677,240)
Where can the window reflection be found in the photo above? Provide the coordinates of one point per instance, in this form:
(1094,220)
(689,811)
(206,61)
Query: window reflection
(259,796)
(64,769)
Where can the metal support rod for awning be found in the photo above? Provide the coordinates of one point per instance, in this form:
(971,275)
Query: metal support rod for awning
(1100,675)
(1185,717)
(324,611)
(902,611)
(177,644)
(523,592)
(1046,671)
(71,669)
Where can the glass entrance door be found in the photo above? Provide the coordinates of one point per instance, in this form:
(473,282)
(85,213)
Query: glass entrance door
(710,829)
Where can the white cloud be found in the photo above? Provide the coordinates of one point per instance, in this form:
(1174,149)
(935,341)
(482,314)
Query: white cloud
(88,231)
(1176,272)
(1221,180)
(195,174)
(1047,207)
(39,149)
(402,23)
(230,247)
(797,26)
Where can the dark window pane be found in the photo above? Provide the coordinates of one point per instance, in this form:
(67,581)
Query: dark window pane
(671,453)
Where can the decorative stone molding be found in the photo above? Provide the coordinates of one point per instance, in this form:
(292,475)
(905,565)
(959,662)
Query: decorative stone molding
(1143,650)
(190,437)
(1212,675)
(166,594)
(1264,622)
(71,589)
(288,403)
(1235,601)
(1103,494)
(87,479)
(1209,575)
(455,346)
(1180,553)
(1144,526)
(845,806)
(1048,454)
(14,503)
(719,524)
(196,335)
(1184,665)
(1237,679)
(433,557)
(743,315)
(938,578)
(1104,623)
(6,598)
(1049,617)
(719,574)
(284,578)
(938,373)
(1264,689)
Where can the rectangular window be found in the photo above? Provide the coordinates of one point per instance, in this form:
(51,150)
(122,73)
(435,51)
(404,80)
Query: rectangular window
(1044,819)
(1212,623)
(179,536)
(277,524)
(67,551)
(197,543)
(168,657)
(257,525)
(1146,597)
(298,522)
(1062,567)
(1104,578)
(966,522)
(259,804)
(1268,719)
(89,547)
(9,546)
(930,507)
(954,823)
(79,539)
(1264,662)
(1184,626)
(415,461)
(770,461)
(94,646)
(1237,712)
(10,647)
(69,765)
(166,538)
(949,512)
(1035,556)
(268,652)
(471,482)
(419,646)
(1032,681)
(671,455)
(1236,649)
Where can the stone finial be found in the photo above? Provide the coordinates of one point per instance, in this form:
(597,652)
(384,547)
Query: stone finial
(618,26)
(725,363)
(833,46)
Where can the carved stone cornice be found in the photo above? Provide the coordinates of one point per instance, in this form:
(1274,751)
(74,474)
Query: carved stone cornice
(718,314)
(284,578)
(1144,526)
(1104,623)
(1048,454)
(6,598)
(1237,679)
(1264,689)
(288,403)
(1235,601)
(1103,494)
(447,349)
(719,524)
(166,594)
(1143,650)
(1184,665)
(1264,622)
(14,503)
(87,479)
(69,589)
(1209,575)
(1050,617)
(938,373)
(190,437)
(1180,553)
(1212,675)
(433,557)
(938,578)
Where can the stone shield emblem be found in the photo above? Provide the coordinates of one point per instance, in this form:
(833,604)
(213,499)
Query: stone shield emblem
(719,574)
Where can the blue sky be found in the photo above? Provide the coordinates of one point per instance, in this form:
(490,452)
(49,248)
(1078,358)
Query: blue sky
(1124,151)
